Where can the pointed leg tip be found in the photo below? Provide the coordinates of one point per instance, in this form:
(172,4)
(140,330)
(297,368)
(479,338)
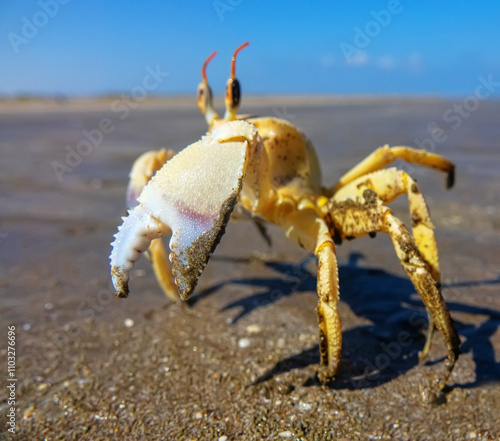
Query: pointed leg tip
(450,179)
(422,357)
(430,395)
(325,375)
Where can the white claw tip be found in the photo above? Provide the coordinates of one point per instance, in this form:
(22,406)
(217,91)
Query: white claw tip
(120,281)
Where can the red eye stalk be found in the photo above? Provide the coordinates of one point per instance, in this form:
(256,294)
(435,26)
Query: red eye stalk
(233,62)
(205,64)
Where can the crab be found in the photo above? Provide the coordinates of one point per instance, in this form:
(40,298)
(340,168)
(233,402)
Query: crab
(266,170)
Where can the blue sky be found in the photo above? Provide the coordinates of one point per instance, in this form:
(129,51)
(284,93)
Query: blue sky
(417,47)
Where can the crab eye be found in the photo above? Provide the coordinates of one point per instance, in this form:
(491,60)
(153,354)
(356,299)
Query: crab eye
(203,96)
(202,90)
(233,93)
(200,97)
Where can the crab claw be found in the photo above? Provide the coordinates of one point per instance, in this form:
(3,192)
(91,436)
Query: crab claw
(192,197)
(142,171)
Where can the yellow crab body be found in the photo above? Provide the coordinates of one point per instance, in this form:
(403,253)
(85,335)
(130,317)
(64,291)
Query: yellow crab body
(286,167)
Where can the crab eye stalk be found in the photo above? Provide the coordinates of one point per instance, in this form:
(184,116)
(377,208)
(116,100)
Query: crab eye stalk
(233,89)
(204,94)
(205,64)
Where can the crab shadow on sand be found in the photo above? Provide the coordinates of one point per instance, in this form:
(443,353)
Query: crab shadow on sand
(375,353)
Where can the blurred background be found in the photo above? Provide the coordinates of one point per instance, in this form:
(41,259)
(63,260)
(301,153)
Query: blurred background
(420,73)
(68,48)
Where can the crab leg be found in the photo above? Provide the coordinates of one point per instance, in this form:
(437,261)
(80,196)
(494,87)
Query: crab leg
(389,184)
(158,256)
(353,217)
(426,286)
(303,225)
(330,340)
(386,155)
(192,196)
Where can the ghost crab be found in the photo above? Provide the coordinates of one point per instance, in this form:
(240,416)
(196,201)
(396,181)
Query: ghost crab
(266,169)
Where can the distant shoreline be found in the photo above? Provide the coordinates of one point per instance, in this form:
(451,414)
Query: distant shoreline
(28,104)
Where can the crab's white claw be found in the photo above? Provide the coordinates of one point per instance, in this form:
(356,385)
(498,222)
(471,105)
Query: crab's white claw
(134,236)
(192,196)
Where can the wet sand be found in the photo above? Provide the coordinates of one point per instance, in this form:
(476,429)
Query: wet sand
(239,361)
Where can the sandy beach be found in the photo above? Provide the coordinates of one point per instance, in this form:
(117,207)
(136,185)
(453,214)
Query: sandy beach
(238,362)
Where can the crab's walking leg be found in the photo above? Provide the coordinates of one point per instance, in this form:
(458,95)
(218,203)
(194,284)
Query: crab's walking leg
(427,287)
(158,256)
(389,184)
(386,155)
(330,338)
(359,216)
(303,225)
(142,171)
